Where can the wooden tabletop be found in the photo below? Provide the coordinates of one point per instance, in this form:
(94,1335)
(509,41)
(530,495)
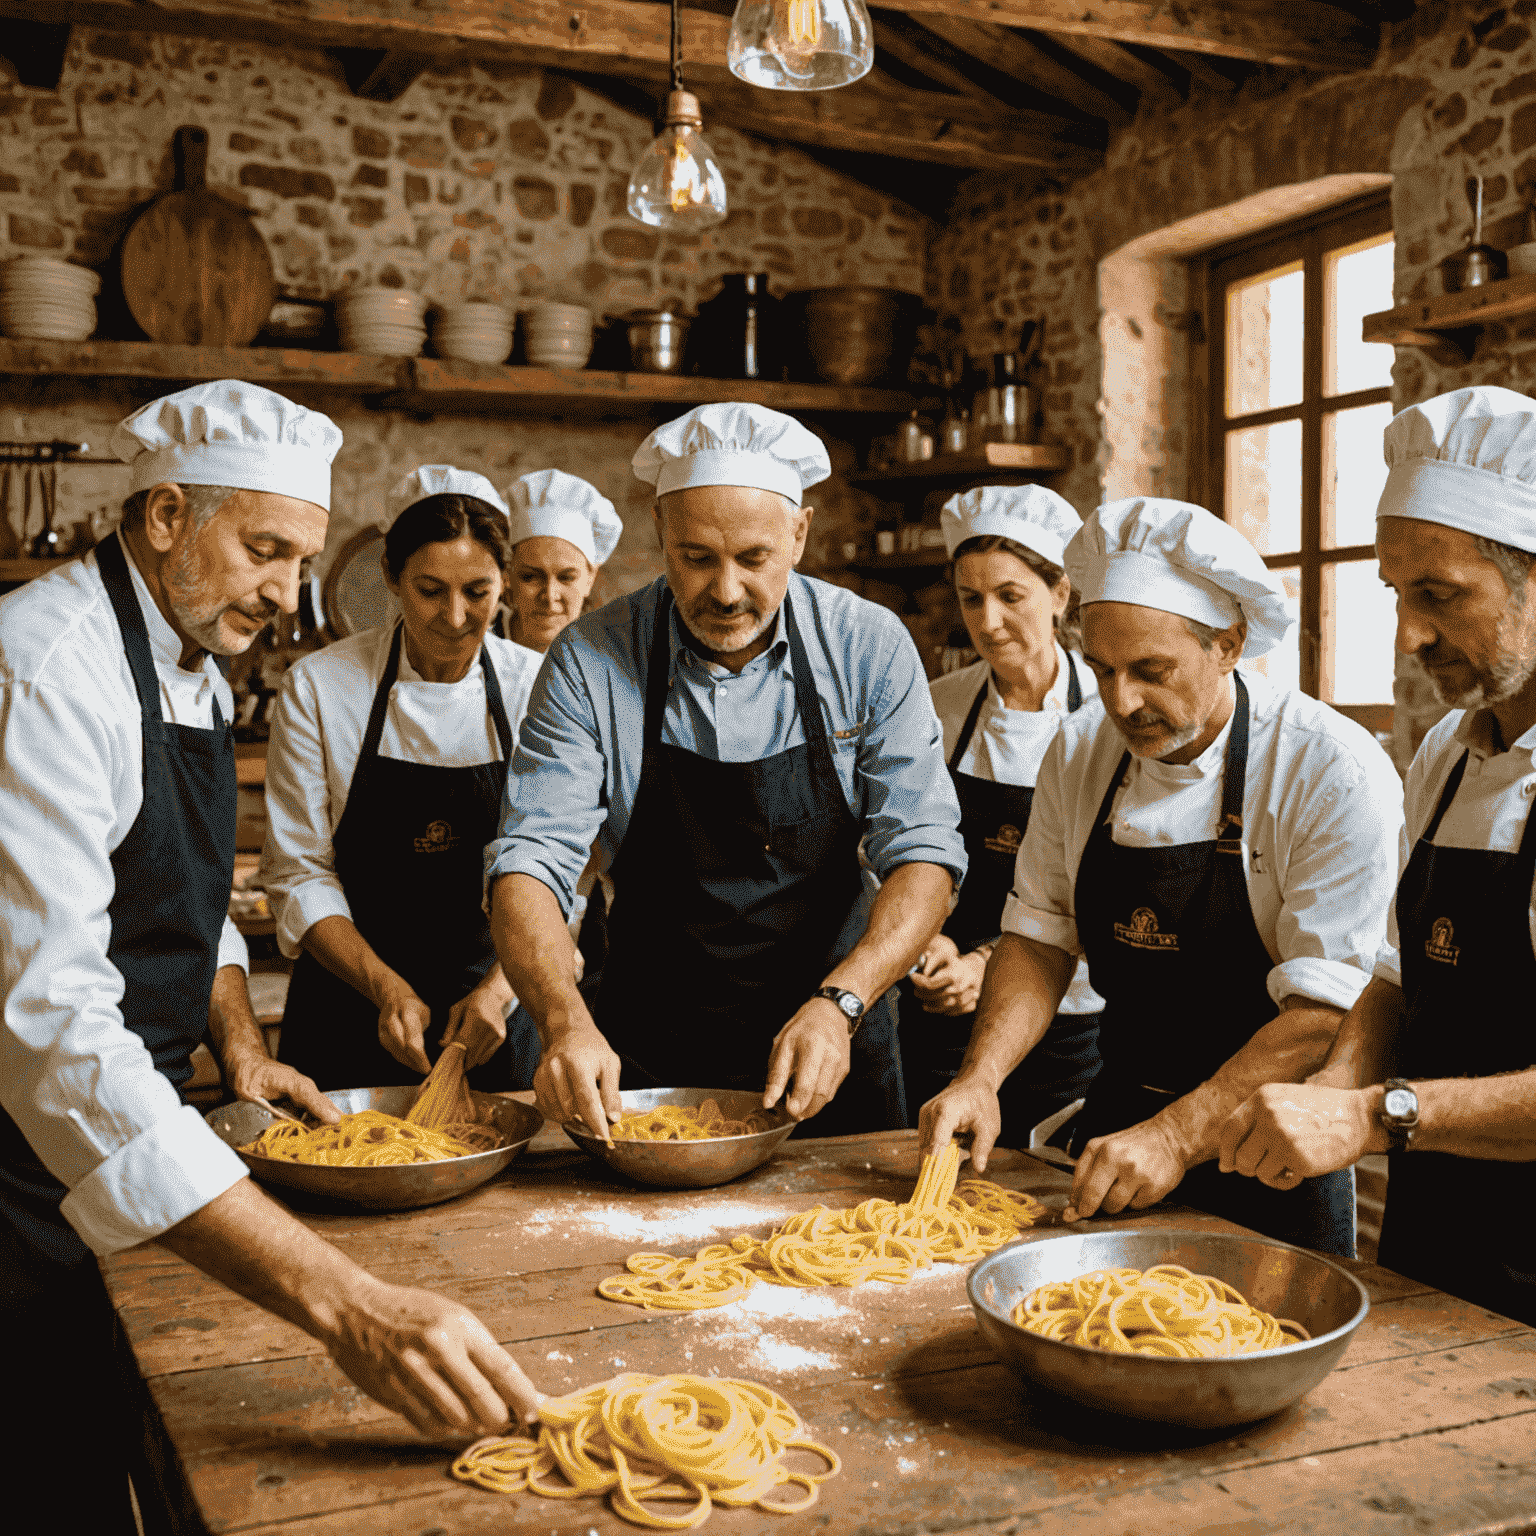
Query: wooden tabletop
(1427,1426)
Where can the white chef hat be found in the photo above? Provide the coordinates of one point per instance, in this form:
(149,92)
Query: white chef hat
(231,433)
(1467,460)
(437,480)
(1173,555)
(552,504)
(1030,515)
(730,443)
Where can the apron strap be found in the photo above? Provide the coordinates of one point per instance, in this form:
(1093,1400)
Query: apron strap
(494,703)
(657,676)
(113,564)
(375,731)
(1229,835)
(1074,688)
(1448,794)
(813,722)
(963,740)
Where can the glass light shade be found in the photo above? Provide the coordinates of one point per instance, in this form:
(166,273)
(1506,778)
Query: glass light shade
(800,45)
(677,183)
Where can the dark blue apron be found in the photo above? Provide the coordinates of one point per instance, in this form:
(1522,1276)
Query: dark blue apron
(1463,923)
(1173,950)
(171,884)
(732,886)
(408,852)
(993,820)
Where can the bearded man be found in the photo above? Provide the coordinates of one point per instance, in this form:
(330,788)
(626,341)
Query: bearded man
(1217,846)
(732,737)
(1433,1064)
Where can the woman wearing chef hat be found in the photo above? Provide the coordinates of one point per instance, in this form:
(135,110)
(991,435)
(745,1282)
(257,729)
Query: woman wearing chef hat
(999,716)
(1221,849)
(385,772)
(562,529)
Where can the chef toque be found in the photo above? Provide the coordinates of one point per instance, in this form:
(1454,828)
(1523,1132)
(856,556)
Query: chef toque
(1030,515)
(438,480)
(1173,555)
(552,504)
(1467,460)
(733,444)
(231,433)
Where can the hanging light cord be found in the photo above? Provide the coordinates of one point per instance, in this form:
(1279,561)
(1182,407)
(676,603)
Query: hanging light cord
(677,46)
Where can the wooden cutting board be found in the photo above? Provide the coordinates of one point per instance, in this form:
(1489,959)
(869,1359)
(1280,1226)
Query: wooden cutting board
(195,269)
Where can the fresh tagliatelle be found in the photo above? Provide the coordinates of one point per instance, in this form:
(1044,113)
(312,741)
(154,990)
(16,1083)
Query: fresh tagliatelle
(878,1240)
(679,1122)
(370,1139)
(644,1439)
(1165,1310)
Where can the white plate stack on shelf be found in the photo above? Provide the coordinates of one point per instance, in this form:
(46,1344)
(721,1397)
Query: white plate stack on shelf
(384,322)
(558,335)
(45,299)
(474,331)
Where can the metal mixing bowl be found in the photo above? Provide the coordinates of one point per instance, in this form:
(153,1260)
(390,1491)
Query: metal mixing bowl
(689,1164)
(398,1187)
(1208,1393)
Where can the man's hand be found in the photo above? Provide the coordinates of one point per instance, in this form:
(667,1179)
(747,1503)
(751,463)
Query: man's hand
(1287,1132)
(431,1360)
(968,1104)
(1132,1168)
(814,1050)
(946,981)
(478,1021)
(578,1079)
(403,1023)
(256,1078)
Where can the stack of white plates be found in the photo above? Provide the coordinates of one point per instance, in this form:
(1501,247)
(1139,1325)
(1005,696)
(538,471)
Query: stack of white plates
(476,332)
(45,299)
(386,322)
(558,335)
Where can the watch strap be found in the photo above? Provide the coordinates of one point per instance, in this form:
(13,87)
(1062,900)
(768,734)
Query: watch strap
(841,998)
(1399,1128)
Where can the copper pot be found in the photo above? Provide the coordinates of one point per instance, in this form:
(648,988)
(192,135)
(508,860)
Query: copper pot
(860,334)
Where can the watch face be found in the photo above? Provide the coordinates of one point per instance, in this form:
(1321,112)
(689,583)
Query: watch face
(1400,1103)
(850,1005)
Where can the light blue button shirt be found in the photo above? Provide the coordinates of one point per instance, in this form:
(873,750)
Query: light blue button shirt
(577,767)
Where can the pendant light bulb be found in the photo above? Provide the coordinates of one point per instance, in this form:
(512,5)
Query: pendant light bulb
(677,182)
(800,45)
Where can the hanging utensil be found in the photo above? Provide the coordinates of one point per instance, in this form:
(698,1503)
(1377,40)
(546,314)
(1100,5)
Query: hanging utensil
(10,542)
(46,545)
(1478,263)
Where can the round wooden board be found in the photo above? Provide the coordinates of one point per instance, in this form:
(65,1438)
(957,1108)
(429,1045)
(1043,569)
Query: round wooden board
(197,272)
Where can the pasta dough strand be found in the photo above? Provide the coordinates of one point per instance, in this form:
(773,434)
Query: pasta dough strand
(370,1139)
(641,1439)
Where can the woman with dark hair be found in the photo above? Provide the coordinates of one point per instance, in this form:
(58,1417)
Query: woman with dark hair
(385,772)
(998,716)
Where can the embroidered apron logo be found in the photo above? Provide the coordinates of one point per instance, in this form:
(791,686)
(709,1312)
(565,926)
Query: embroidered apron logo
(1142,932)
(1005,840)
(439,838)
(1438,945)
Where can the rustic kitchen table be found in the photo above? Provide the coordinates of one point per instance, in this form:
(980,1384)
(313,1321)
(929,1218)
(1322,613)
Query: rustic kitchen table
(1428,1426)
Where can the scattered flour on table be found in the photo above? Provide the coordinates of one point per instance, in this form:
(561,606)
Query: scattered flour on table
(710,1221)
(765,1300)
(906,1466)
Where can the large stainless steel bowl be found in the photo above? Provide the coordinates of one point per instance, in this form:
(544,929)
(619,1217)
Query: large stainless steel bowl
(399,1187)
(689,1164)
(1325,1299)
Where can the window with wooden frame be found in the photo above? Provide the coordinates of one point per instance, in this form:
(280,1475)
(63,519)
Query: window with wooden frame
(1288,437)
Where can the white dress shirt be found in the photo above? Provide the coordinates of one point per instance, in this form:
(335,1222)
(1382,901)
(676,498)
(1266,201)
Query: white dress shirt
(1490,809)
(1323,834)
(318,725)
(1008,746)
(80,1084)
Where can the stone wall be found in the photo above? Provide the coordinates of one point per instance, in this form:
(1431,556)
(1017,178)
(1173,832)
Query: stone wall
(1453,91)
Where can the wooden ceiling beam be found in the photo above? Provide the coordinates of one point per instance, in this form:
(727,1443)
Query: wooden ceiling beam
(924,62)
(1149,82)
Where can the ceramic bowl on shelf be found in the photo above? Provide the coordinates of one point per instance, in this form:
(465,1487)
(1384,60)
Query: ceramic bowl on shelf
(474,331)
(44,299)
(558,335)
(386,322)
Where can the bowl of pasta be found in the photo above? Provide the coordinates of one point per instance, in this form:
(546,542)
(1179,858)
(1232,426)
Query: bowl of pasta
(688,1138)
(375,1159)
(1176,1325)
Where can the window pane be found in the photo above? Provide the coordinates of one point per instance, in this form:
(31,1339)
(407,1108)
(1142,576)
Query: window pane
(1264,486)
(1353,474)
(1264,323)
(1359,631)
(1282,666)
(1357,281)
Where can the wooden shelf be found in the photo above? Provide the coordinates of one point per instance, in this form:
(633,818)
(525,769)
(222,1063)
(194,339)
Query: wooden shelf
(429,384)
(1447,327)
(992,459)
(24,569)
(911,569)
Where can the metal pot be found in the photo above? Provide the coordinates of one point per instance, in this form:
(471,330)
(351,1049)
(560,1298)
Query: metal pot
(860,334)
(656,340)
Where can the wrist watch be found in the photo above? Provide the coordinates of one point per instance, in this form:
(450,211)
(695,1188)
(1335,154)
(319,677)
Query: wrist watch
(1399,1113)
(851,1004)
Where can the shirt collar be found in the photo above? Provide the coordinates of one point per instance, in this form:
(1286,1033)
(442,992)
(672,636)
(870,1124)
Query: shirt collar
(165,645)
(683,643)
(1475,732)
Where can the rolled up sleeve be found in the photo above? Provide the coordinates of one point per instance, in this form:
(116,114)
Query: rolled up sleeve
(232,949)
(1040,906)
(298,862)
(911,815)
(555,801)
(79,1084)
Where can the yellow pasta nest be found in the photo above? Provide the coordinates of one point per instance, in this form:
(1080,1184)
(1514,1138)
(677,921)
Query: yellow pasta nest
(642,1439)
(370,1139)
(677,1122)
(878,1240)
(1166,1310)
